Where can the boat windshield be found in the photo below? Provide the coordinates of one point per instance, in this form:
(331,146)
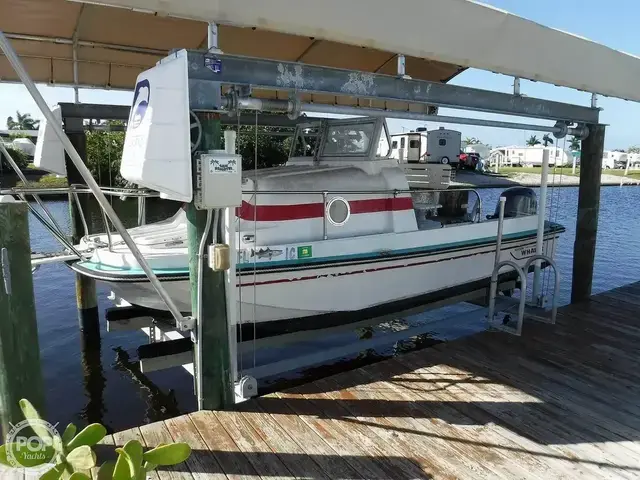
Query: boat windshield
(364,138)
(344,140)
(305,140)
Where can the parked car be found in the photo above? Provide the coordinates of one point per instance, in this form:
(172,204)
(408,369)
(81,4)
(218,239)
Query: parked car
(468,161)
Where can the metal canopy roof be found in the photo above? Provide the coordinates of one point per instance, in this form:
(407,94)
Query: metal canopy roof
(114,45)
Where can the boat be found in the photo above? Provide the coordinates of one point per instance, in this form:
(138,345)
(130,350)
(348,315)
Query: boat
(334,235)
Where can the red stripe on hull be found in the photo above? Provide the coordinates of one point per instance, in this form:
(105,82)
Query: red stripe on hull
(301,211)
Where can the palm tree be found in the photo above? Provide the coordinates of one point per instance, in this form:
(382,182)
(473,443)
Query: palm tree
(575,144)
(533,140)
(471,141)
(547,139)
(22,122)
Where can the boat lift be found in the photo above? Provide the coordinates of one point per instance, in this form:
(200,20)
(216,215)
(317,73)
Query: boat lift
(210,70)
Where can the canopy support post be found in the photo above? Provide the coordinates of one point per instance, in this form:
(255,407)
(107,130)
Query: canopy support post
(208,297)
(584,248)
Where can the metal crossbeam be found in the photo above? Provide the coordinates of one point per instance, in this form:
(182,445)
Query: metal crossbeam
(299,77)
(121,112)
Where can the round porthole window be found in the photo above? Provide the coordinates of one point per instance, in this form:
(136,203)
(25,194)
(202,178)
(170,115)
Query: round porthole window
(338,211)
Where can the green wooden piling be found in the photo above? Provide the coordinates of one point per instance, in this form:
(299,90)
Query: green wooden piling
(86,295)
(20,374)
(214,367)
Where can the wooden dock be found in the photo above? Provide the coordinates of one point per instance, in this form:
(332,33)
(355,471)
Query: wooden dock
(560,402)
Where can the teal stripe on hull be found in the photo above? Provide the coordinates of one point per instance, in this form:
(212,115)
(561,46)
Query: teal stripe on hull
(554,228)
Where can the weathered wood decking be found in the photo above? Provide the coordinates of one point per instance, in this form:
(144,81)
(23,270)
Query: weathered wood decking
(560,402)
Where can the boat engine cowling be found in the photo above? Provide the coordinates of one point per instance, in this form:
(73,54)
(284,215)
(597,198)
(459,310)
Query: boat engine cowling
(521,202)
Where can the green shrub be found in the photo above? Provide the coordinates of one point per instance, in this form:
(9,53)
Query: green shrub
(48,181)
(72,453)
(18,156)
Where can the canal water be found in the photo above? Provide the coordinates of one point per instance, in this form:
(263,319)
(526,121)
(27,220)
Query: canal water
(101,383)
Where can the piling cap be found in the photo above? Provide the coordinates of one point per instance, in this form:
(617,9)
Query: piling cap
(7,199)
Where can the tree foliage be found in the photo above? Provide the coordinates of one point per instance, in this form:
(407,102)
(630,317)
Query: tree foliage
(273,150)
(471,141)
(533,140)
(23,121)
(575,144)
(18,156)
(635,149)
(104,153)
(546,140)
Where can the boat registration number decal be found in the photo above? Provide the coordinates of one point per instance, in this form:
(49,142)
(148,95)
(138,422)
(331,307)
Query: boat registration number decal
(305,252)
(223,165)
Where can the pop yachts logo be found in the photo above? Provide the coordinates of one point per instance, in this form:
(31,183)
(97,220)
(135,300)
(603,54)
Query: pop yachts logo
(141,99)
(25,450)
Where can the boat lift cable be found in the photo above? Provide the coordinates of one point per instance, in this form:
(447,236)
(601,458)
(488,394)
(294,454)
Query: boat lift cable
(240,318)
(20,70)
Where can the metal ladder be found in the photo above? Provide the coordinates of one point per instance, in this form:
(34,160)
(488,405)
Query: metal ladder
(532,310)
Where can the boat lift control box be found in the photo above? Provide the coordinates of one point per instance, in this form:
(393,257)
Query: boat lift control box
(218,180)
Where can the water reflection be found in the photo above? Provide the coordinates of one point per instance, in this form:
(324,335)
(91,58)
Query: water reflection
(93,375)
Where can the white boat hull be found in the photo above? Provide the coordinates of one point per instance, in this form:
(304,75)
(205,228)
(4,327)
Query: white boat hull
(308,291)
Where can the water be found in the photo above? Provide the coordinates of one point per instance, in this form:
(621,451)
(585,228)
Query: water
(87,383)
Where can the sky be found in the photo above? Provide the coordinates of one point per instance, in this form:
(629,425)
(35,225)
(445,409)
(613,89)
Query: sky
(612,22)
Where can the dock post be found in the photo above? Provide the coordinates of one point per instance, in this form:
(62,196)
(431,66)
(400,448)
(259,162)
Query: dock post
(584,248)
(86,295)
(212,361)
(20,373)
(212,350)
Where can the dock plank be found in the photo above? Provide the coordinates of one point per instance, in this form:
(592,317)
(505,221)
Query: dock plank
(263,459)
(155,434)
(323,407)
(523,419)
(552,463)
(230,458)
(459,428)
(313,440)
(360,459)
(391,421)
(297,459)
(201,462)
(497,465)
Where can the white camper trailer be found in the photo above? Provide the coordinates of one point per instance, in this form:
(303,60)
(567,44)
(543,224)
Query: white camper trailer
(530,156)
(409,147)
(614,159)
(444,146)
